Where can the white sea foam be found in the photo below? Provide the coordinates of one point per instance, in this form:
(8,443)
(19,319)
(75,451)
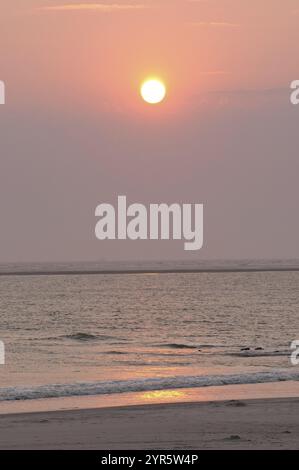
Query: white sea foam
(142,385)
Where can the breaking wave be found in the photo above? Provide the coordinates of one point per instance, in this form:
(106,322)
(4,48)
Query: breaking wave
(142,385)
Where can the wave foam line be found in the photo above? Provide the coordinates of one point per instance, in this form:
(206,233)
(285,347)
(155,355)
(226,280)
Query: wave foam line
(141,385)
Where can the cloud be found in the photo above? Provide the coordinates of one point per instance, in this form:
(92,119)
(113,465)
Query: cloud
(253,91)
(244,98)
(214,72)
(215,24)
(100,7)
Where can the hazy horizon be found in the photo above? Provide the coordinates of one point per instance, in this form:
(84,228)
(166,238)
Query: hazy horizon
(74,132)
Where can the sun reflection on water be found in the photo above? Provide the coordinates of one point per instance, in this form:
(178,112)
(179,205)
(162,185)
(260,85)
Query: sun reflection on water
(162,395)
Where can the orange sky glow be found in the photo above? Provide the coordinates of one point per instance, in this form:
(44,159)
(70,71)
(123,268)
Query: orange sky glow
(226,134)
(100,52)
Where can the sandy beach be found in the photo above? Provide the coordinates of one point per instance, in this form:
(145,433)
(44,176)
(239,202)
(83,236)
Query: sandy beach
(236,424)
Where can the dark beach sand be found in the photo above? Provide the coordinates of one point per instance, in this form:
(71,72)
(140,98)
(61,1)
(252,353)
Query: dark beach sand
(236,424)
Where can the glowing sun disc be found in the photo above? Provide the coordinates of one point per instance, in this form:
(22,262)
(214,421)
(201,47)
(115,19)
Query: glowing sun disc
(153,91)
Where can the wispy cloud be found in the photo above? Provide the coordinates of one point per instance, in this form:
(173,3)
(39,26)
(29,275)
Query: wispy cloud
(253,92)
(214,72)
(100,7)
(221,24)
(243,98)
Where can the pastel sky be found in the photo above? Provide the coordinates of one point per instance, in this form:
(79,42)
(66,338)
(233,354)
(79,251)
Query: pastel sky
(74,131)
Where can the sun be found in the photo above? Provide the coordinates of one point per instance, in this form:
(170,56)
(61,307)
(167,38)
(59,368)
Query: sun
(153,91)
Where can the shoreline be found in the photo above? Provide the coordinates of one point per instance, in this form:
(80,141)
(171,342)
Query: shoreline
(236,424)
(267,390)
(149,271)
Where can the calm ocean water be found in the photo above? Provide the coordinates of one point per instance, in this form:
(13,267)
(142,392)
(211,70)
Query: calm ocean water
(70,335)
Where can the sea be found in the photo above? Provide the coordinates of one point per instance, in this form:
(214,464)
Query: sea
(108,328)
